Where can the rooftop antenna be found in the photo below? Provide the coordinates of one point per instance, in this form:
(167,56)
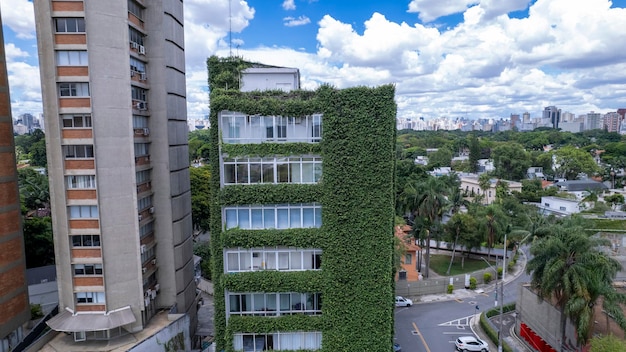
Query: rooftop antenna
(230,29)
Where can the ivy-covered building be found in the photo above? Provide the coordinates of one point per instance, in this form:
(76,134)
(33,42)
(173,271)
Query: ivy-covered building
(302,212)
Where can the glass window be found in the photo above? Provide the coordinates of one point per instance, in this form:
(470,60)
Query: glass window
(70,25)
(74,89)
(76,121)
(72,58)
(81,181)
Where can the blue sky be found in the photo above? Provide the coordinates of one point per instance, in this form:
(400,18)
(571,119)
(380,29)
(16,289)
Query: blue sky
(474,58)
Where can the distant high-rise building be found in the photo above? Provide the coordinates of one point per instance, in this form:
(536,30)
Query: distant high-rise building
(515,121)
(553,114)
(593,121)
(14,306)
(526,117)
(611,121)
(28,120)
(113,83)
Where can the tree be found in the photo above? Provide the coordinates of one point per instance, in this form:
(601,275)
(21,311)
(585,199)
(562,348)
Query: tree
(573,161)
(38,154)
(38,243)
(200,197)
(442,157)
(474,153)
(34,189)
(492,222)
(568,268)
(203,250)
(428,206)
(511,161)
(614,200)
(461,228)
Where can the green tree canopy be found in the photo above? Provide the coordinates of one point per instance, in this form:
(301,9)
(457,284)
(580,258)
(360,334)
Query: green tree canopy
(572,161)
(200,197)
(511,161)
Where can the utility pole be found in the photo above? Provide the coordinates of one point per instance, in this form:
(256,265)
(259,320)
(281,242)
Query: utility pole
(502,295)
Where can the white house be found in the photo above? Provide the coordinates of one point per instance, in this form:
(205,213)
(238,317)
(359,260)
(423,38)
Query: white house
(269,78)
(471,187)
(559,206)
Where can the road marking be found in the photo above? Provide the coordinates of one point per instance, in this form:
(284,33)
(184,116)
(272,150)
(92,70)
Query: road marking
(458,300)
(458,322)
(421,337)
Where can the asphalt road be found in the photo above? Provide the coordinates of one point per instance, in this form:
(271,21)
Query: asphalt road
(433,327)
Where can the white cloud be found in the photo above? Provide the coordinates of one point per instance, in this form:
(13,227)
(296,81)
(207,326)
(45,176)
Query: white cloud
(430,10)
(293,22)
(19,15)
(289,5)
(12,52)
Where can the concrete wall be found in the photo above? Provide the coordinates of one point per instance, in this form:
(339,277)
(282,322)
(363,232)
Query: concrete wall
(174,337)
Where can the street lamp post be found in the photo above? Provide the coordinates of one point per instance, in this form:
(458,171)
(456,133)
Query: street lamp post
(501,301)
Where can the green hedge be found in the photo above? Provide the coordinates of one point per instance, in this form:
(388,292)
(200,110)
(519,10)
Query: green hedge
(358,201)
(488,328)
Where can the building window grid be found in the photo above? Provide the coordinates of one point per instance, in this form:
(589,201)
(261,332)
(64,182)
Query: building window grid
(83,211)
(273,216)
(282,259)
(86,241)
(81,181)
(274,304)
(146,229)
(140,121)
(301,170)
(78,151)
(72,58)
(278,341)
(138,94)
(137,66)
(90,297)
(135,36)
(69,24)
(142,176)
(144,203)
(87,269)
(148,254)
(240,128)
(142,149)
(67,89)
(76,121)
(136,9)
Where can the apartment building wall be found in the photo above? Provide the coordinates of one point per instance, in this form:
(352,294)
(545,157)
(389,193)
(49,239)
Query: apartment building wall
(14,306)
(138,132)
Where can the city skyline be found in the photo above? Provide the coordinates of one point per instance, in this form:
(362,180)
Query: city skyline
(470,59)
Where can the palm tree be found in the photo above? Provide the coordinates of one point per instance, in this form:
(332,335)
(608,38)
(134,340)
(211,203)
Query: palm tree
(493,223)
(569,268)
(428,206)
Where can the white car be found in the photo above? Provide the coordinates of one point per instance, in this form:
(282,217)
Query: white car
(470,343)
(403,302)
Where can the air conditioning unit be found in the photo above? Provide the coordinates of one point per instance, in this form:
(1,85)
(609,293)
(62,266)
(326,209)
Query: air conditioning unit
(143,270)
(142,249)
(132,73)
(146,131)
(151,210)
(142,50)
(157,287)
(139,217)
(142,76)
(141,105)
(134,45)
(153,261)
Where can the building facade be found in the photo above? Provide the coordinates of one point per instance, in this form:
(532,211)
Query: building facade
(302,187)
(14,306)
(553,115)
(113,84)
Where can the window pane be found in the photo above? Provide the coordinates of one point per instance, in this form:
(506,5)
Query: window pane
(231,218)
(242,173)
(270,260)
(295,172)
(283,261)
(255,173)
(268,173)
(307,172)
(232,260)
(283,172)
(229,173)
(234,303)
(308,217)
(294,216)
(283,218)
(244,218)
(257,218)
(268,218)
(296,261)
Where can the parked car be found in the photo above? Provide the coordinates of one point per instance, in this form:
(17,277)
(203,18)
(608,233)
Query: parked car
(403,302)
(397,348)
(470,343)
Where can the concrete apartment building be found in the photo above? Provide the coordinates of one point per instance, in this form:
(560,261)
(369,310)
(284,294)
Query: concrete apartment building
(292,176)
(14,307)
(113,85)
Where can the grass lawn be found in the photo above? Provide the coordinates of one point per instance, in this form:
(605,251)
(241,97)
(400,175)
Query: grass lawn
(439,264)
